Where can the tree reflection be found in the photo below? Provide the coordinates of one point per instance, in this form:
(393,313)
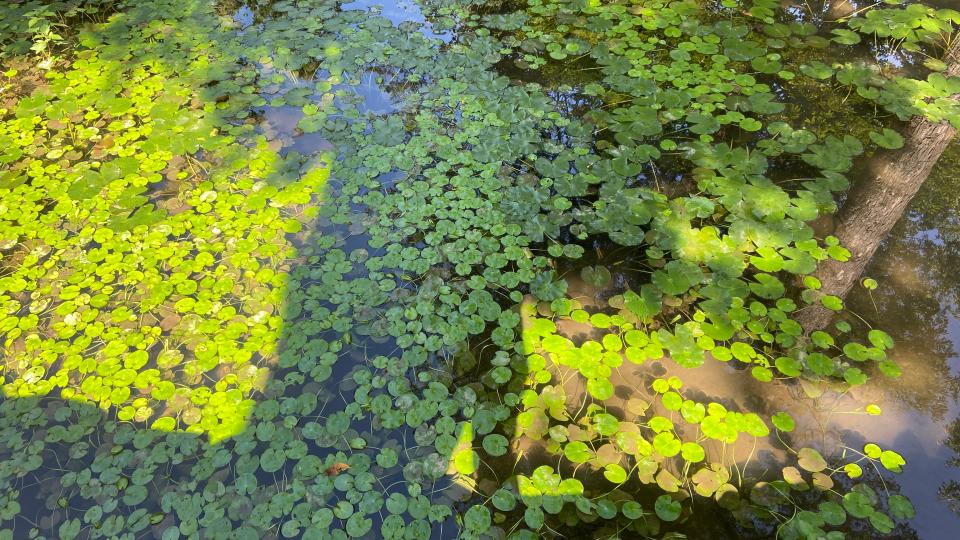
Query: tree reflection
(918,299)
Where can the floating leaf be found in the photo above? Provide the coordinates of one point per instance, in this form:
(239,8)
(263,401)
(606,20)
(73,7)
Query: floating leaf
(900,507)
(666,444)
(857,504)
(692,452)
(853,470)
(881,522)
(466,461)
(598,276)
(783,421)
(811,460)
(632,510)
(577,452)
(832,513)
(892,461)
(504,500)
(666,508)
(615,473)
(600,389)
(495,444)
(888,138)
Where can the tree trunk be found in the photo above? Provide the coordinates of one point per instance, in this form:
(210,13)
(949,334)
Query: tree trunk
(878,200)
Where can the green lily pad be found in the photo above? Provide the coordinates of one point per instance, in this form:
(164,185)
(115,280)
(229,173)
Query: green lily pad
(811,460)
(666,508)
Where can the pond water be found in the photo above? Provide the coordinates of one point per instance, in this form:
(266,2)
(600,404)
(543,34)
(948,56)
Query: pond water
(378,286)
(405,11)
(921,411)
(919,306)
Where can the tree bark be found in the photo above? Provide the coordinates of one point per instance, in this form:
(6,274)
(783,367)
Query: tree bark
(878,200)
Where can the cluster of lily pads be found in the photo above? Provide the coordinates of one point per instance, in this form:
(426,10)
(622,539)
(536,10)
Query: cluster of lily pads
(660,437)
(209,331)
(39,27)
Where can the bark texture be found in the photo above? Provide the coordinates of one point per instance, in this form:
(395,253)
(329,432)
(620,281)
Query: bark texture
(878,200)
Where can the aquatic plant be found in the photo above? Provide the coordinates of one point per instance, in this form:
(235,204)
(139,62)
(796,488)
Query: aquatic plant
(210,330)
